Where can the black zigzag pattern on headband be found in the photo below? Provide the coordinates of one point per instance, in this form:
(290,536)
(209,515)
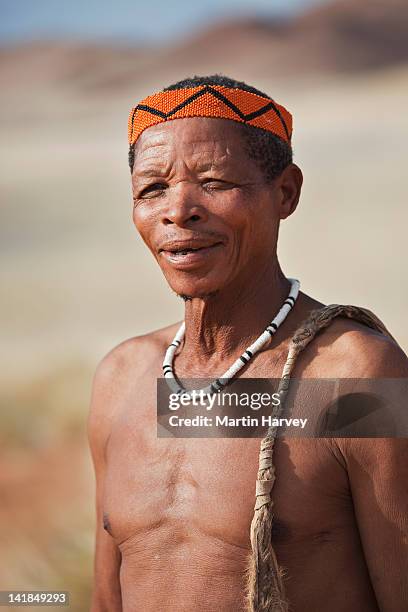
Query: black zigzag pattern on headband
(217,94)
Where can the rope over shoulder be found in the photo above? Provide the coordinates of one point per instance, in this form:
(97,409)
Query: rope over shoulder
(266,591)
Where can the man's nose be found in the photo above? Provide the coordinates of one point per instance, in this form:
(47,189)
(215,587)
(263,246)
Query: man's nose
(183,207)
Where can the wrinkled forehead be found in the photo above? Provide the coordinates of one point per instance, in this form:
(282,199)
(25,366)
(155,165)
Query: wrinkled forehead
(211,139)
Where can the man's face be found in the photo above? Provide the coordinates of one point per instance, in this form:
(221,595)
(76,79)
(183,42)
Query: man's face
(203,206)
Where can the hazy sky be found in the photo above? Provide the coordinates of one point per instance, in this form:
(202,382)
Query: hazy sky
(148,20)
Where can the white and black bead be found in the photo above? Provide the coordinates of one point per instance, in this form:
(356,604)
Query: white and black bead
(220,383)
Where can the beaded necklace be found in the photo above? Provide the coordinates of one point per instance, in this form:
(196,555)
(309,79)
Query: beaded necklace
(223,381)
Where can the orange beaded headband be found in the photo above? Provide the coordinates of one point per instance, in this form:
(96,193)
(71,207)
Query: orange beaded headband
(210,101)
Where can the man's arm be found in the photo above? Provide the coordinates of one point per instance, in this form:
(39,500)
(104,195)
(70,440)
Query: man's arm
(378,476)
(106,596)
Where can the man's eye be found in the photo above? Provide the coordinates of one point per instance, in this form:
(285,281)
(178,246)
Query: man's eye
(152,190)
(213,184)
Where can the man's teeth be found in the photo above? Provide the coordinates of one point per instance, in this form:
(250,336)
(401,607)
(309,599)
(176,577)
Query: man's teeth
(184,251)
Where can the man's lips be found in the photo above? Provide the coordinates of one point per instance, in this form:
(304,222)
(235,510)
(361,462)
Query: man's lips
(188,252)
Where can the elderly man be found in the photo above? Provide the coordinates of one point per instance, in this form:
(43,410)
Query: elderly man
(212,178)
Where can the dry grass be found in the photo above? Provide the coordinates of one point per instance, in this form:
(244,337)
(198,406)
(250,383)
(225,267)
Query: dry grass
(46,510)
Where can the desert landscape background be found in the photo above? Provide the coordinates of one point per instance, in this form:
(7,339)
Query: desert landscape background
(77,280)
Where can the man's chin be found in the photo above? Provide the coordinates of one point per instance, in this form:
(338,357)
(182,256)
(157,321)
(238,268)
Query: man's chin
(188,289)
(199,296)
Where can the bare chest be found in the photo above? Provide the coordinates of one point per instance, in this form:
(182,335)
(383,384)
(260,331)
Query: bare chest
(185,487)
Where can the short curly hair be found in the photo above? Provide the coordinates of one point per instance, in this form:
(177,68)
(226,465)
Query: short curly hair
(271,154)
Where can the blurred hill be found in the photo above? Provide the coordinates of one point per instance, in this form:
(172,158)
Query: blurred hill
(344,36)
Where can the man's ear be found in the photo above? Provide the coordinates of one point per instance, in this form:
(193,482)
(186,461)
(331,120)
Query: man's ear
(289,186)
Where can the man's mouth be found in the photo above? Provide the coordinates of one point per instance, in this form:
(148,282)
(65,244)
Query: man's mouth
(188,250)
(188,255)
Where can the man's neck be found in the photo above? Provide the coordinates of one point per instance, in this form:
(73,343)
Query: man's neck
(220,326)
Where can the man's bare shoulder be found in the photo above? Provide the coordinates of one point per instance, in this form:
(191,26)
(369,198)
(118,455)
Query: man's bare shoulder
(136,352)
(129,361)
(348,348)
